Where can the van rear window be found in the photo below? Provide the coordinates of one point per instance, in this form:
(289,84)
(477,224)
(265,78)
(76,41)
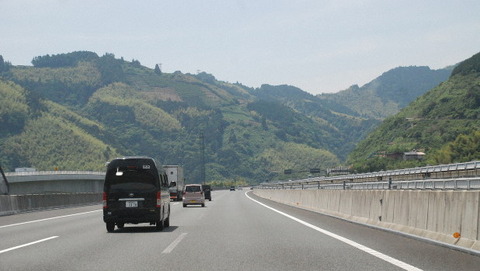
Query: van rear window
(131,180)
(195,188)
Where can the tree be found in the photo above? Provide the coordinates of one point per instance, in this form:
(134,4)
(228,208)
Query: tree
(63,60)
(4,65)
(157,69)
(264,123)
(110,68)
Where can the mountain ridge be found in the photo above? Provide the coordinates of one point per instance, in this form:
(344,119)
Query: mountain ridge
(114,107)
(440,123)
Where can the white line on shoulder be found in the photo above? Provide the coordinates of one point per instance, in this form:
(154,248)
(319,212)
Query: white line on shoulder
(368,250)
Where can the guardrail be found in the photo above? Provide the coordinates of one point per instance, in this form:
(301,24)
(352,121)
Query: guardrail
(435,184)
(458,176)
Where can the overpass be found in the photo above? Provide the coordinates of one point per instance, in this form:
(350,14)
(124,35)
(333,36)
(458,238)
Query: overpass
(48,182)
(39,190)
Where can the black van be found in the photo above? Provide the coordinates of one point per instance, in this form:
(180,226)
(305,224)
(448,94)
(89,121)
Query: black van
(135,191)
(207,189)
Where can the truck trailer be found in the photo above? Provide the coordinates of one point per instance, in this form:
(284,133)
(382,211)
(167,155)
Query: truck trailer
(176,181)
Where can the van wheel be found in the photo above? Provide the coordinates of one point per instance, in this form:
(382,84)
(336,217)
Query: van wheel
(184,205)
(159,225)
(120,225)
(203,204)
(110,226)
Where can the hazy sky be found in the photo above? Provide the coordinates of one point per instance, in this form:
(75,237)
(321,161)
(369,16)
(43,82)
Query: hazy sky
(316,45)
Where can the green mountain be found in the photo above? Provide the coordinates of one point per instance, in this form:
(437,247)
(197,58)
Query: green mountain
(348,116)
(444,123)
(47,135)
(76,111)
(388,93)
(340,128)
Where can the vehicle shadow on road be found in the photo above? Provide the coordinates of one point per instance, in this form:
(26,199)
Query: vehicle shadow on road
(148,229)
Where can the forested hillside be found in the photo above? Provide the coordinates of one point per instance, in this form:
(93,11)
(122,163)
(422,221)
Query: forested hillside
(444,123)
(75,111)
(78,110)
(388,93)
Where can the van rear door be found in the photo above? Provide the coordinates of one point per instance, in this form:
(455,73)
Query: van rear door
(131,185)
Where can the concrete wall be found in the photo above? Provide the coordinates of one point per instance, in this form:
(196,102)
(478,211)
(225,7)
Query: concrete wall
(56,186)
(24,203)
(55,182)
(30,191)
(435,215)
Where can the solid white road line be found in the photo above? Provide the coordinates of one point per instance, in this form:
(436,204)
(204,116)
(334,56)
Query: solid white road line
(375,253)
(174,243)
(28,244)
(46,219)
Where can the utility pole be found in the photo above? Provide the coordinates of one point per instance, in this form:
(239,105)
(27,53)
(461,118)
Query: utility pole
(202,138)
(4,186)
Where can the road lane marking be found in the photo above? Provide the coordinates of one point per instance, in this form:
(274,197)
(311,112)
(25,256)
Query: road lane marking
(46,219)
(28,244)
(174,243)
(368,250)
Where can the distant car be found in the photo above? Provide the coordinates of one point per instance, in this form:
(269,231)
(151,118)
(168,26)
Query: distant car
(232,188)
(193,194)
(207,190)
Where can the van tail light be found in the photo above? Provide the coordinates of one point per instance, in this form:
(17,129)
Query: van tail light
(159,199)
(104,200)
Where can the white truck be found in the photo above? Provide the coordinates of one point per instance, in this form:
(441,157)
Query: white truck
(176,181)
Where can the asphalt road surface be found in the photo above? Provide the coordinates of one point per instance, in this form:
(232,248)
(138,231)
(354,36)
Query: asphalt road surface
(235,231)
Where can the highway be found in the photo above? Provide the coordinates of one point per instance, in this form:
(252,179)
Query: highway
(235,231)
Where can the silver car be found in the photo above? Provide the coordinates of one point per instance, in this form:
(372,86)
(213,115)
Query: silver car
(193,194)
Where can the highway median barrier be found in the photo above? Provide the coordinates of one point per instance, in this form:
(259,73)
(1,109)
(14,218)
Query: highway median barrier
(432,215)
(13,204)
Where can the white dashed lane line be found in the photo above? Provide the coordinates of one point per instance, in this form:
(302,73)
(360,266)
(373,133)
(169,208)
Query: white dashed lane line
(174,243)
(28,244)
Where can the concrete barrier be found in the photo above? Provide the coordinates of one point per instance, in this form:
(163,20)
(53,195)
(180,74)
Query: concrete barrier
(434,215)
(14,204)
(55,182)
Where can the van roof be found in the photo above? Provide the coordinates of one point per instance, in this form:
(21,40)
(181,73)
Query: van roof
(133,157)
(142,159)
